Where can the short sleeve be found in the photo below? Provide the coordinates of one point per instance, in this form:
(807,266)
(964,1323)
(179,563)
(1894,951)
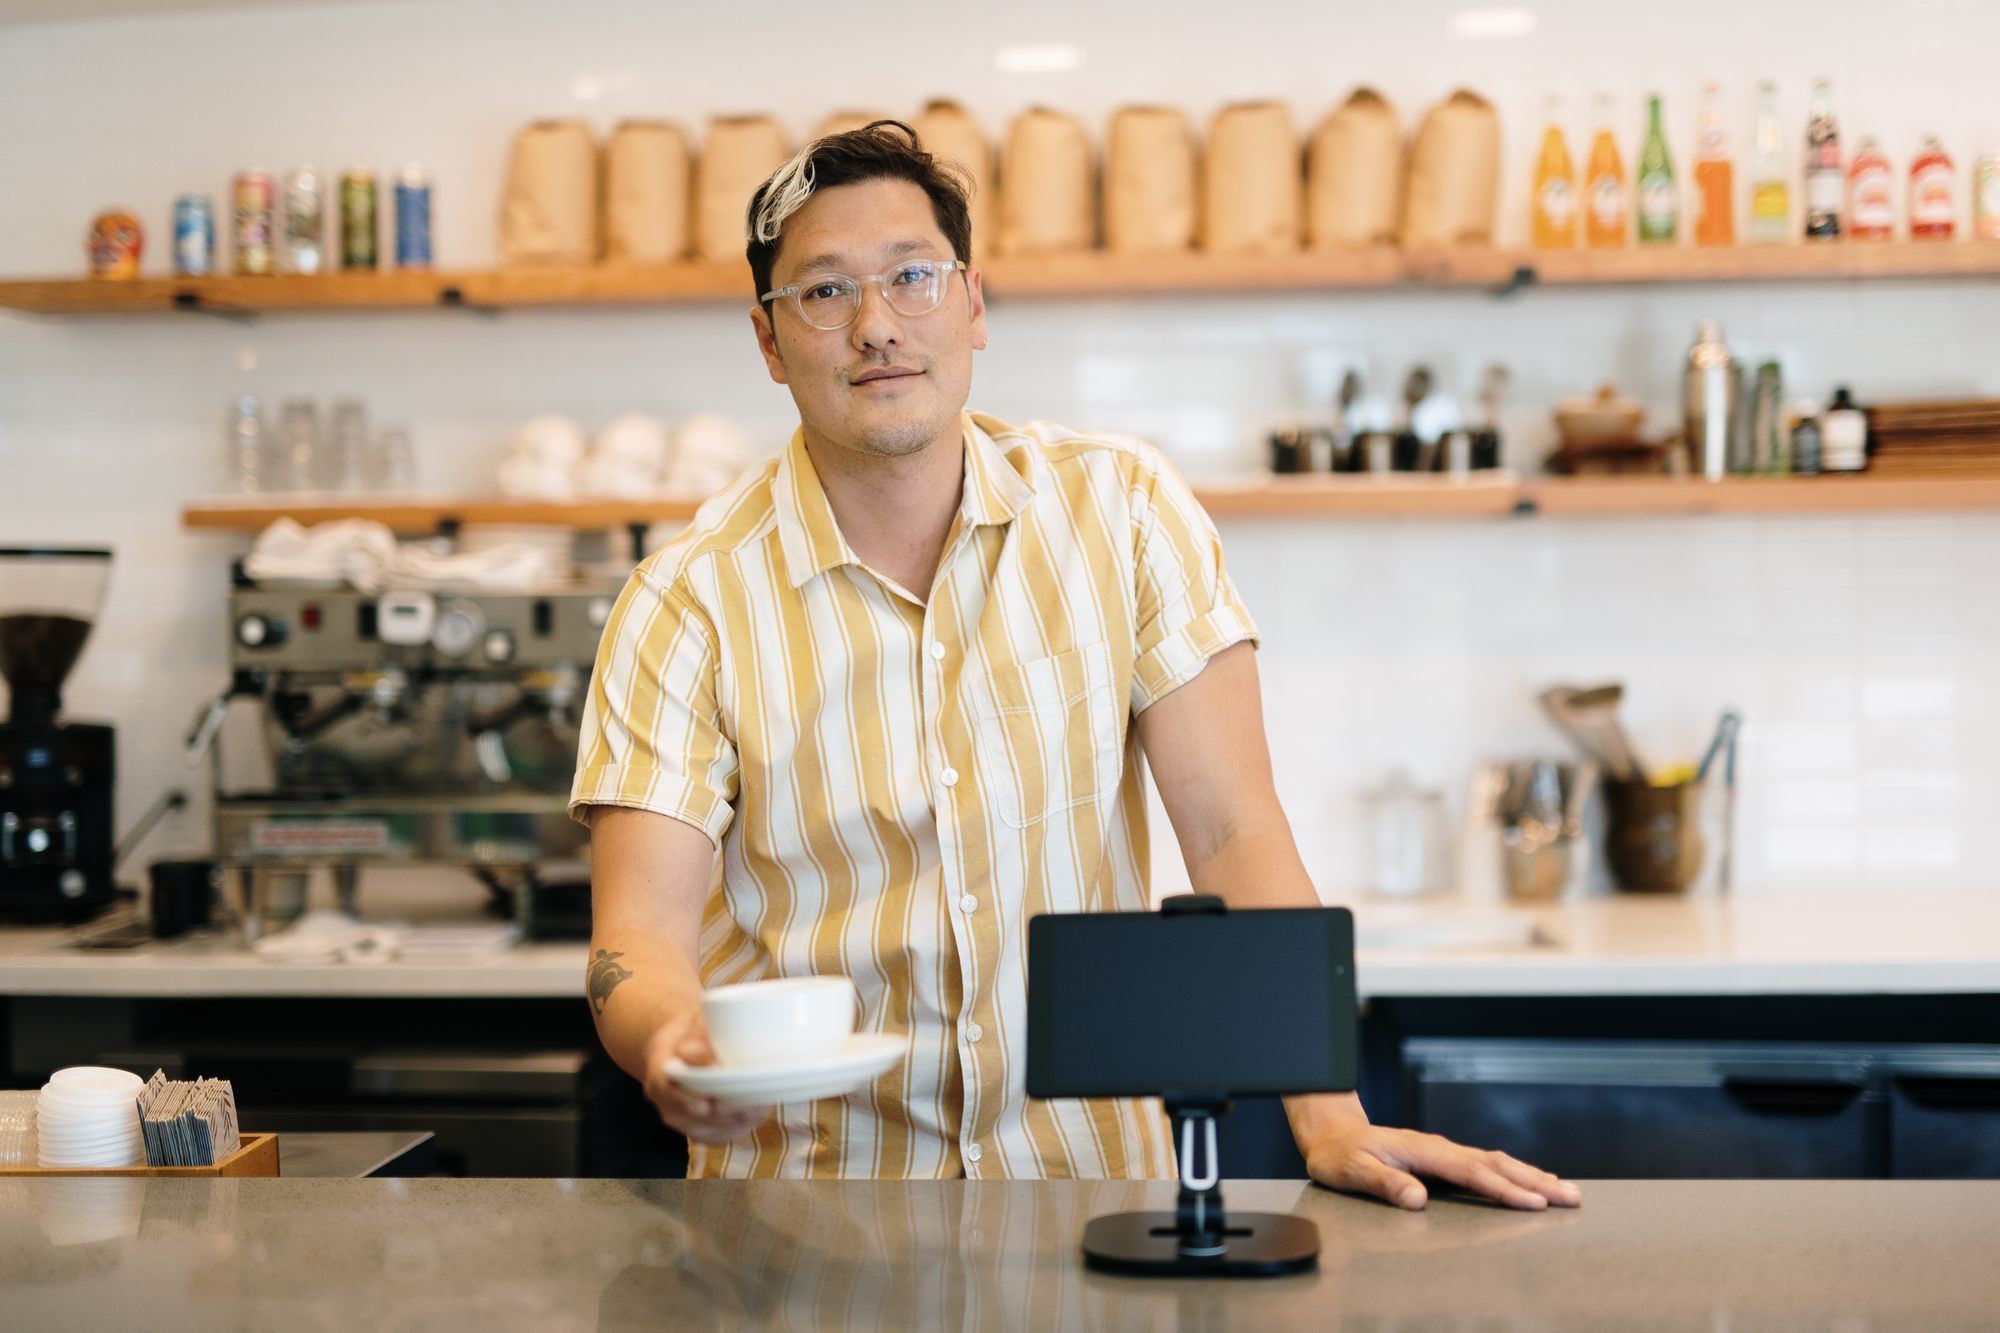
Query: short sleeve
(652,736)
(1186,608)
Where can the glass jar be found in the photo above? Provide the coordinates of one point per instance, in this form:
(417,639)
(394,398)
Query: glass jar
(1409,842)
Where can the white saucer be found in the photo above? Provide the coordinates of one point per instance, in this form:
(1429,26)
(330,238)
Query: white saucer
(866,1057)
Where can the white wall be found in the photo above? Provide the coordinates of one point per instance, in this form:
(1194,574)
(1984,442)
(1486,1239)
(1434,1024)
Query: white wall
(1866,651)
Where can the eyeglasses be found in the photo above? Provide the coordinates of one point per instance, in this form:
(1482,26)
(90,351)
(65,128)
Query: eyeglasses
(832,300)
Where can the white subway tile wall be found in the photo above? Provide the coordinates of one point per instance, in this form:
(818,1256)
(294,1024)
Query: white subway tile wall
(1864,651)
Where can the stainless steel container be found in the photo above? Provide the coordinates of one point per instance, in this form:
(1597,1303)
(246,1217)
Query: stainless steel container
(1710,401)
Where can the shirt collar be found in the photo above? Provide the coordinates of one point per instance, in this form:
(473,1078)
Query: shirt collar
(810,537)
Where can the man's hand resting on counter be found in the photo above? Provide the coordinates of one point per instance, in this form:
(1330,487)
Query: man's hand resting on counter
(1344,1152)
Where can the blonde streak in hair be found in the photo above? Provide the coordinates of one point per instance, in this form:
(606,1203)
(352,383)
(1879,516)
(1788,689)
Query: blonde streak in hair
(785,194)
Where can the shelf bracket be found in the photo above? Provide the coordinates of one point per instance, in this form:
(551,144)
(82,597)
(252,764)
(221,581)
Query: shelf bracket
(453,298)
(192,302)
(1524,275)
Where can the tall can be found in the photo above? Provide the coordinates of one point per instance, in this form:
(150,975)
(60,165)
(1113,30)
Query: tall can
(357,220)
(252,204)
(194,236)
(303,246)
(413,218)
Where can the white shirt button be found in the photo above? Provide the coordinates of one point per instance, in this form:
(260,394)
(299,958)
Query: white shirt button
(937,652)
(974,1032)
(973,1152)
(949,777)
(968,904)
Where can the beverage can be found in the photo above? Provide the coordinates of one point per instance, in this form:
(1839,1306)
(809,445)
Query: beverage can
(357,220)
(413,218)
(194,236)
(251,208)
(114,244)
(303,249)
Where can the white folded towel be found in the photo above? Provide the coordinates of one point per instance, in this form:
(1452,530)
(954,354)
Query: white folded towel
(329,937)
(366,556)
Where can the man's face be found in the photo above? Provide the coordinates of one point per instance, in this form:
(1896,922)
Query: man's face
(888,384)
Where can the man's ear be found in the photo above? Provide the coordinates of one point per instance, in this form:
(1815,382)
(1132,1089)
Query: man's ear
(767,343)
(975,288)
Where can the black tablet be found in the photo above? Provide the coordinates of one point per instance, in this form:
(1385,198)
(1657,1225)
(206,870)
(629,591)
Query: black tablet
(1254,1002)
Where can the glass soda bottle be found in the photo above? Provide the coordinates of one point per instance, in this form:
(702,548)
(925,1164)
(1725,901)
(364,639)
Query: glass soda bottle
(1823,175)
(1608,215)
(1554,221)
(1871,195)
(1770,192)
(1714,174)
(1933,193)
(1659,206)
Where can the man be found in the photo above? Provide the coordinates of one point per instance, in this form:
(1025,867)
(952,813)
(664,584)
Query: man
(887,697)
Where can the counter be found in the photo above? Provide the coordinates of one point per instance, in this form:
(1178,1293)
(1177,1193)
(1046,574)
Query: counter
(1828,944)
(559,1254)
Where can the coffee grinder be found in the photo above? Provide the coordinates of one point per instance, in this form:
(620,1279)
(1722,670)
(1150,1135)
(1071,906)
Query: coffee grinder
(56,777)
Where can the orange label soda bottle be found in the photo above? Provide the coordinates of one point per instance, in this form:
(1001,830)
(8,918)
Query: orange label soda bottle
(1553,222)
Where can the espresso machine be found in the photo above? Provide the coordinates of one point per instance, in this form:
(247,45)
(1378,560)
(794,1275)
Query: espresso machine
(408,727)
(56,776)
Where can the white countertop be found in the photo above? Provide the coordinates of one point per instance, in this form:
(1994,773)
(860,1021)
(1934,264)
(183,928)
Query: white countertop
(1831,944)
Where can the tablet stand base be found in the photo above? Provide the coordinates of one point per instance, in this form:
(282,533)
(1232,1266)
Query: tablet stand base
(1148,1245)
(1198,1239)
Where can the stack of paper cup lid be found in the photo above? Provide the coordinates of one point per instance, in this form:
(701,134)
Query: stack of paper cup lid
(87,1116)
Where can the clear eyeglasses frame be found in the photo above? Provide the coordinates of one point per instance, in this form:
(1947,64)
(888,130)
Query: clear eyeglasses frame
(832,300)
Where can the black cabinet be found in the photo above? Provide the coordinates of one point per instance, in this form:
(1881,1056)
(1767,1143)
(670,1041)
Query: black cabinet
(1652,1110)
(1944,1115)
(1714,1110)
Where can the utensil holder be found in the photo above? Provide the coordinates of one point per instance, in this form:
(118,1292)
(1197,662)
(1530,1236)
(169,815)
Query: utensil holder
(1653,840)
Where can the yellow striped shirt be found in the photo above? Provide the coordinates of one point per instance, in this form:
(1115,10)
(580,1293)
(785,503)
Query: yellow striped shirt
(897,783)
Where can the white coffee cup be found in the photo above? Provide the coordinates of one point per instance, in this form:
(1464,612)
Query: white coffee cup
(780,1022)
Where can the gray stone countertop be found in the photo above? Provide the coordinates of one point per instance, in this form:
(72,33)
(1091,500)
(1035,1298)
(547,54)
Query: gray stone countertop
(557,1255)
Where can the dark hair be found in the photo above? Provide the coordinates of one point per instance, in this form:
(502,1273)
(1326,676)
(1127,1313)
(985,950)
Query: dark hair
(879,150)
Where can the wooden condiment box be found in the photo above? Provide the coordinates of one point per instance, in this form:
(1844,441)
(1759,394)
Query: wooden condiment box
(257,1155)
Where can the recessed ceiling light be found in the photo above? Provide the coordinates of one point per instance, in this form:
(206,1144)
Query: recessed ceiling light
(1053,59)
(1513,21)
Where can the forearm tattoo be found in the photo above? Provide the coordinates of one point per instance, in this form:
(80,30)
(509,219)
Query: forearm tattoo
(603,978)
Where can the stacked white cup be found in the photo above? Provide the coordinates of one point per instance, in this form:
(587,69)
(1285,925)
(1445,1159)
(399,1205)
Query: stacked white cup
(88,1116)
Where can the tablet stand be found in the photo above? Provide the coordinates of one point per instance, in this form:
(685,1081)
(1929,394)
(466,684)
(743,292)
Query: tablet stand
(1199,1239)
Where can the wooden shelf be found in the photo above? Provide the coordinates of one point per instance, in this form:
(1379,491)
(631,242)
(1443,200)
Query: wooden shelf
(414,515)
(1610,497)
(1332,497)
(1081,275)
(1482,495)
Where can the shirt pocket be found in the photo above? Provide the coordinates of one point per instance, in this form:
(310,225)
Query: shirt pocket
(1049,734)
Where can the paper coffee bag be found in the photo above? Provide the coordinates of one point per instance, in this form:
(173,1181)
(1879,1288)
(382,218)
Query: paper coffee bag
(1150,182)
(1454,179)
(1048,201)
(740,154)
(548,208)
(1354,175)
(646,200)
(1253,186)
(949,131)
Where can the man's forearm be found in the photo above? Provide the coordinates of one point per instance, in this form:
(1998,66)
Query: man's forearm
(635,986)
(1259,866)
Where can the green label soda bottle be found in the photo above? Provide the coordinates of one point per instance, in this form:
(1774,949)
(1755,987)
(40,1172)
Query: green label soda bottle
(1659,202)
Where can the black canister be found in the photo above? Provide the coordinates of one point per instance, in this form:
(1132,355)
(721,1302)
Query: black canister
(183,895)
